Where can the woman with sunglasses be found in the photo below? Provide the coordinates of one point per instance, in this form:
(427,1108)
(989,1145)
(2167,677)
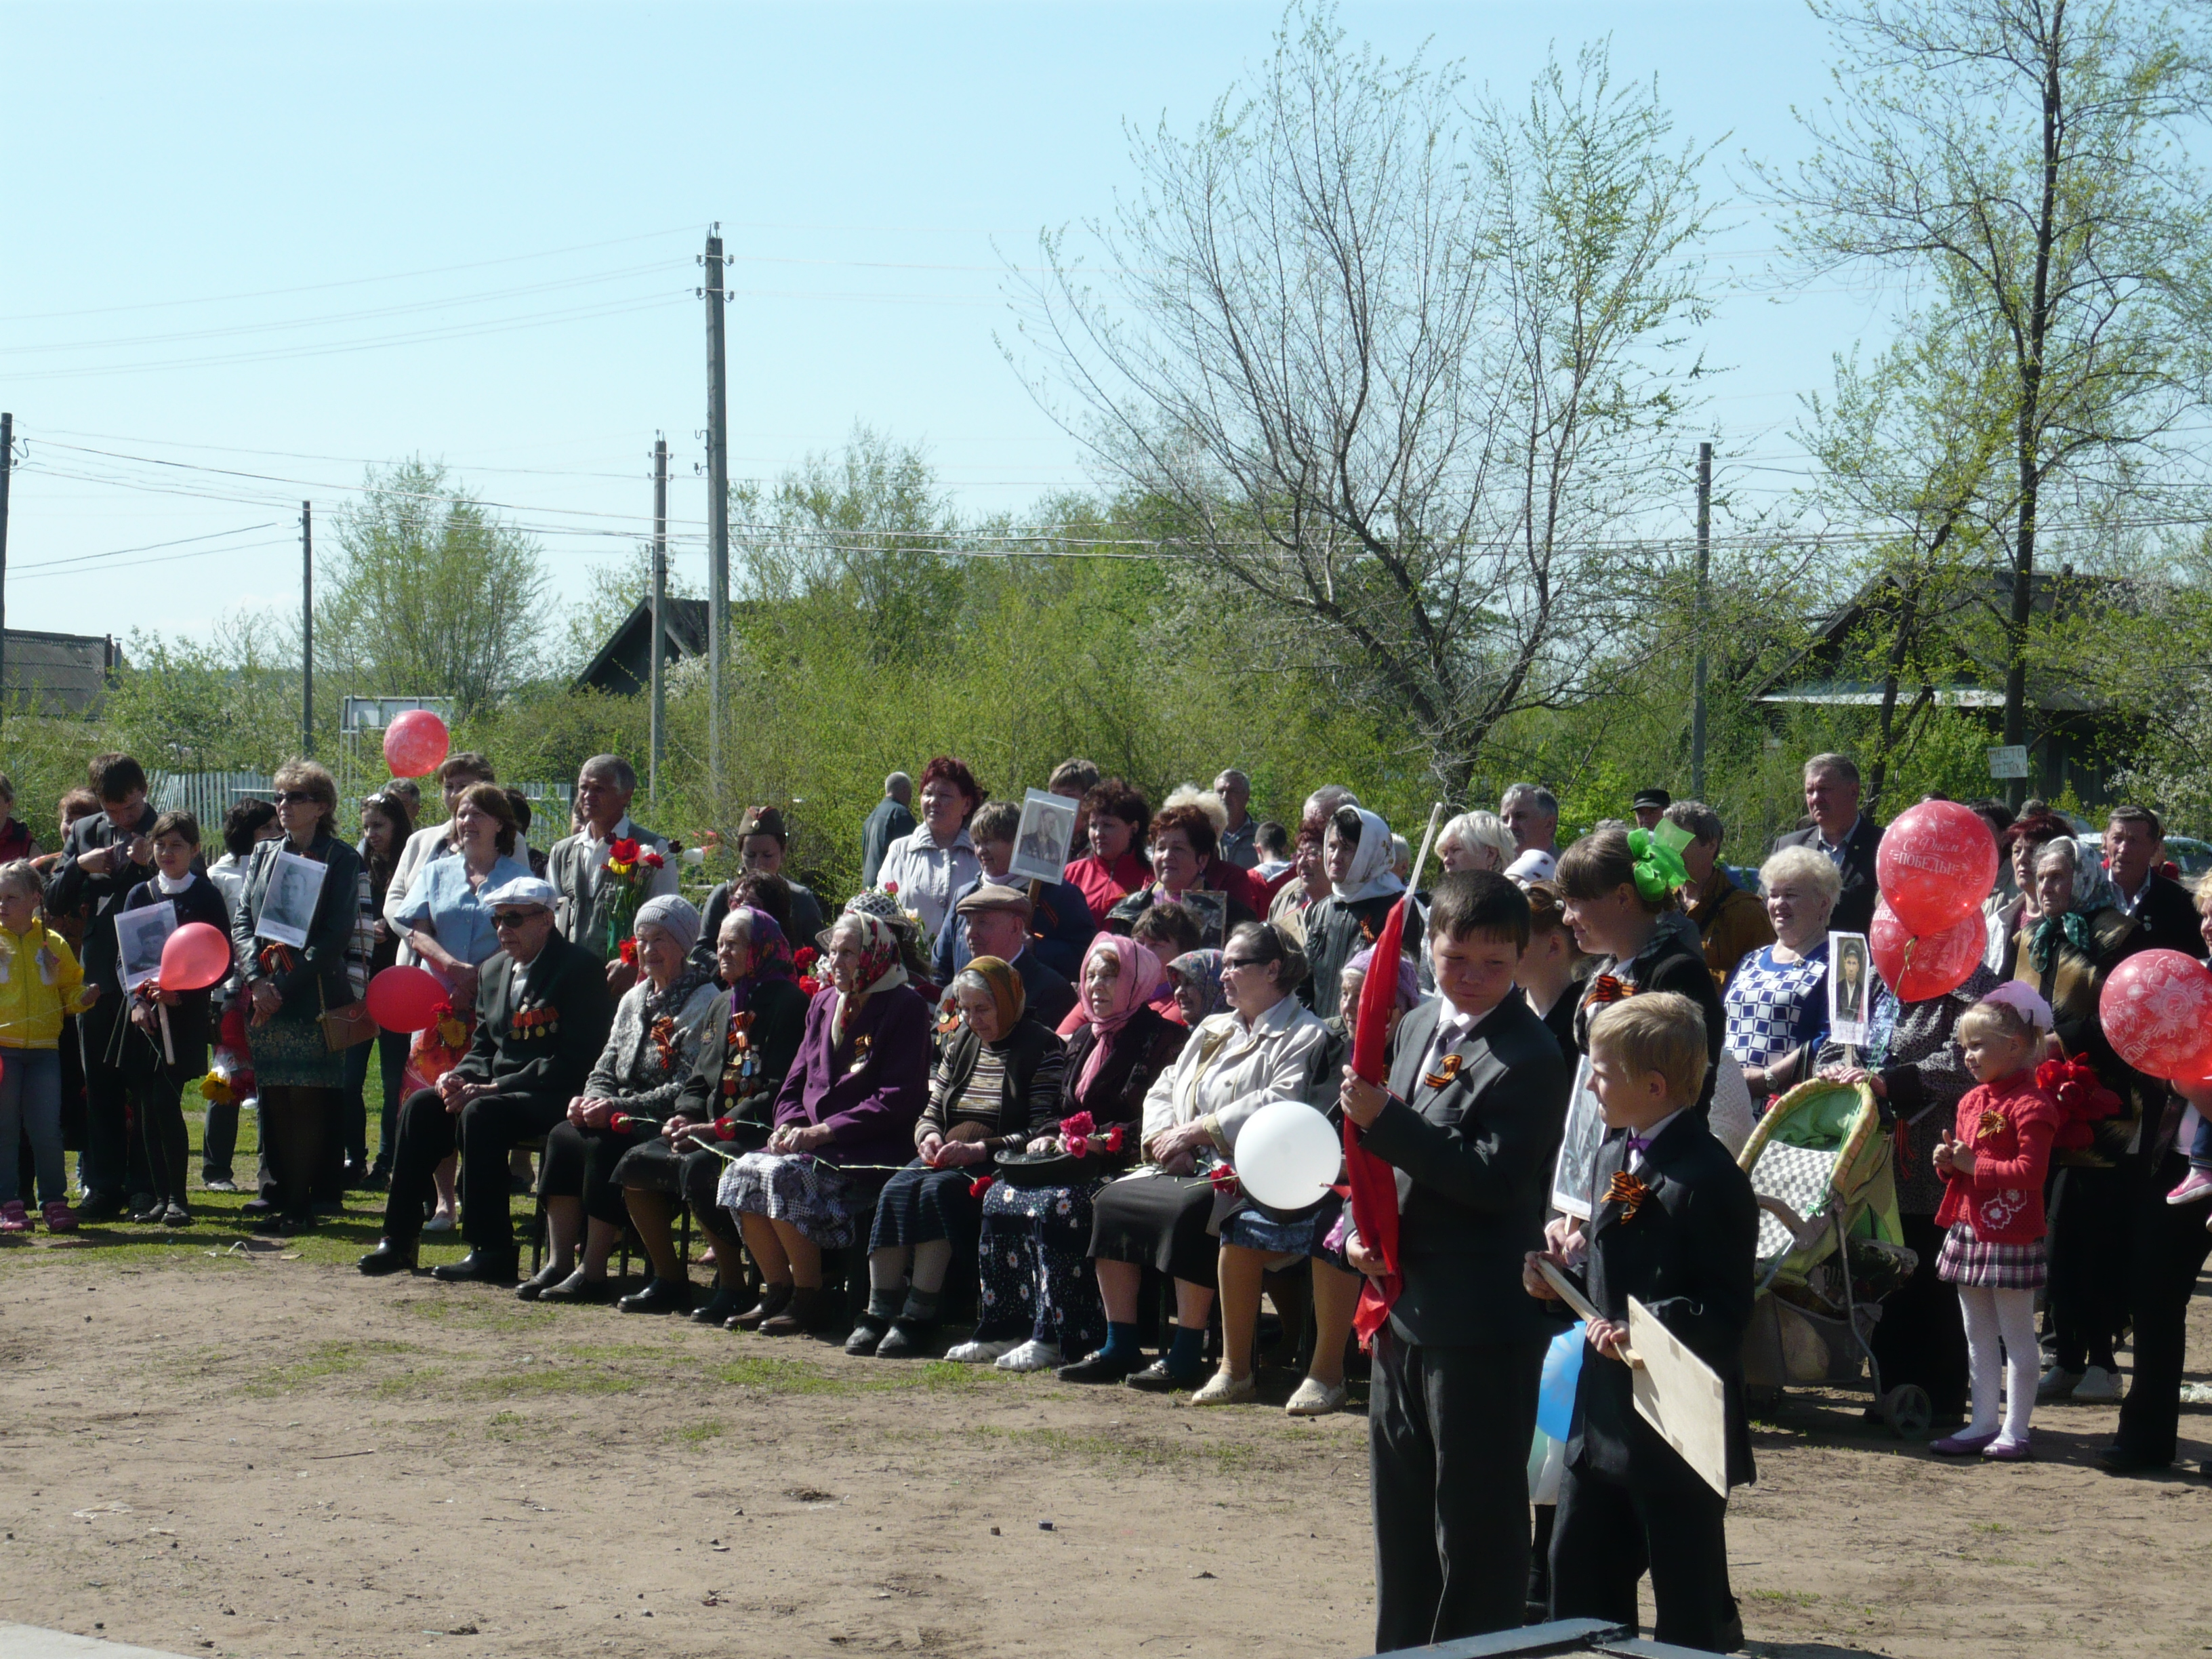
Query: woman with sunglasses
(289,987)
(1268,1047)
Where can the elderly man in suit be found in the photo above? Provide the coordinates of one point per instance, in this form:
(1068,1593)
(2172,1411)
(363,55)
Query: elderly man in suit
(577,865)
(1843,834)
(1478,1094)
(2164,912)
(997,920)
(542,1012)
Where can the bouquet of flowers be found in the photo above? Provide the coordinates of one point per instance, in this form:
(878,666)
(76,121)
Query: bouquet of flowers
(1080,1136)
(2083,1098)
(624,877)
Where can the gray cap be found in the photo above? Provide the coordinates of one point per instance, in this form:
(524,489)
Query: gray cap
(523,892)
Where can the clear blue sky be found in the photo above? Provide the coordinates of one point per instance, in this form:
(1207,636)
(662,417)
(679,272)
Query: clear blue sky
(305,237)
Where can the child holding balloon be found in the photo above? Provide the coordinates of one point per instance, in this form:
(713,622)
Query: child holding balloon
(1994,1163)
(39,982)
(155,1068)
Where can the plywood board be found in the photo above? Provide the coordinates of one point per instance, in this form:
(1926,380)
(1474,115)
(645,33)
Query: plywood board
(1681,1396)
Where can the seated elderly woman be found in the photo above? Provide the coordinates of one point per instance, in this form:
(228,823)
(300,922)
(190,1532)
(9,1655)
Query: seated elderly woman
(849,1103)
(1268,1048)
(1357,854)
(1040,1300)
(1167,930)
(660,1025)
(1252,1242)
(1777,1003)
(1186,870)
(757,1018)
(997,1087)
(1194,986)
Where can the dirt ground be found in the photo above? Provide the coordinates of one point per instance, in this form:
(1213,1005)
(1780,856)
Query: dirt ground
(257,1452)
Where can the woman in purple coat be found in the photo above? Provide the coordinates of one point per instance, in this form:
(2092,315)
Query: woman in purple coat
(844,1118)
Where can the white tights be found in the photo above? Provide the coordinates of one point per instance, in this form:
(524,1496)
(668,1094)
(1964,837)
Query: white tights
(1995,1316)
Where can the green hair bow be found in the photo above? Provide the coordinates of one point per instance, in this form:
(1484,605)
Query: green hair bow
(1658,857)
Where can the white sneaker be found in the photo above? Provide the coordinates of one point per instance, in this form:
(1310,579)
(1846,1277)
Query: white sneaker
(1316,1399)
(1032,1356)
(980,1353)
(2097,1384)
(2058,1384)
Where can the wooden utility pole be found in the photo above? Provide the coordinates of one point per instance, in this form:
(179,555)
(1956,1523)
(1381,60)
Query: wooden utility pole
(659,617)
(1704,562)
(306,628)
(718,507)
(7,466)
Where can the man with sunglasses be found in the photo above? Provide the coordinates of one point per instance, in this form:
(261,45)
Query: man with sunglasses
(542,1012)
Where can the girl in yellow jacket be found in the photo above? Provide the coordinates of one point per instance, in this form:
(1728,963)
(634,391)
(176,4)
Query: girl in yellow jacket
(39,981)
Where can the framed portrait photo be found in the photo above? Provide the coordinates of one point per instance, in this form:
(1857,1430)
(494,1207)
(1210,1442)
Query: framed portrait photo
(139,936)
(1850,989)
(1040,844)
(288,910)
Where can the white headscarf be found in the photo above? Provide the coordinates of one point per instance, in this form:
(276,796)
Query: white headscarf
(1370,875)
(881,967)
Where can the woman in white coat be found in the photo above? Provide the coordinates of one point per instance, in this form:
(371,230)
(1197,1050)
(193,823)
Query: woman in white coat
(1265,1049)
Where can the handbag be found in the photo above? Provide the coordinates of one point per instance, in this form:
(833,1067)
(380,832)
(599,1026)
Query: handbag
(344,1027)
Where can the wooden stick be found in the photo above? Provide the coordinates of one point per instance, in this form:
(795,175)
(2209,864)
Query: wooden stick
(1582,1304)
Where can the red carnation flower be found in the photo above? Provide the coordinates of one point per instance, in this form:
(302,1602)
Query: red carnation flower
(805,957)
(1079,1124)
(651,860)
(1224,1179)
(1114,1138)
(981,1185)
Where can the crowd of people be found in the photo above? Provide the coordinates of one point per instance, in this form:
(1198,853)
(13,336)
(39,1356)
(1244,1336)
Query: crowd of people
(968,1089)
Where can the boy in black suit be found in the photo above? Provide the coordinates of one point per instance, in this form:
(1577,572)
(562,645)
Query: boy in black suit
(1478,1093)
(1674,1224)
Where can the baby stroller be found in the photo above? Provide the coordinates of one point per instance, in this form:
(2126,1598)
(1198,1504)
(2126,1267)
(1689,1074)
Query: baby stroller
(1830,1248)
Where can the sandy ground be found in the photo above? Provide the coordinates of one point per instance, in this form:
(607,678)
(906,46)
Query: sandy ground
(268,1455)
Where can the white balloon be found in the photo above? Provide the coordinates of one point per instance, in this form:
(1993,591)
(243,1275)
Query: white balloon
(1286,1155)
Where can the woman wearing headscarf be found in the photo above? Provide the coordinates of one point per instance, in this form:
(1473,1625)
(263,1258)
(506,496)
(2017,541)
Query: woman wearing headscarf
(1039,1297)
(758,1015)
(997,1086)
(1267,1048)
(1357,853)
(2078,936)
(1195,977)
(660,1025)
(846,1108)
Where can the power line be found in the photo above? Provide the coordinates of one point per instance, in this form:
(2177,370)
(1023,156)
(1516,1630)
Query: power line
(117,553)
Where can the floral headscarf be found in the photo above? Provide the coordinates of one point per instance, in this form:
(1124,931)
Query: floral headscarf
(1203,969)
(1370,875)
(1409,977)
(2092,891)
(771,957)
(1135,985)
(881,970)
(1008,994)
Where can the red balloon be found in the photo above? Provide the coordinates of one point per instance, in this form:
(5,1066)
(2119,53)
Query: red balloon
(195,957)
(1934,864)
(2156,1009)
(414,744)
(1919,967)
(405,998)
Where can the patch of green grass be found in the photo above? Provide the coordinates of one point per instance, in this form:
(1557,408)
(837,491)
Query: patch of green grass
(507,1425)
(696,1432)
(779,1376)
(1093,1447)
(325,1359)
(1786,1598)
(411,1383)
(932,1374)
(1990,1525)
(549,1379)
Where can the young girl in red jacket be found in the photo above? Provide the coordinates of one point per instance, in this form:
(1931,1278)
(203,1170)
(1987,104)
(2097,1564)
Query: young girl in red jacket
(1994,1162)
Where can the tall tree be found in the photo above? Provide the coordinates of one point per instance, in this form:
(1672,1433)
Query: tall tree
(1399,372)
(2033,155)
(430,595)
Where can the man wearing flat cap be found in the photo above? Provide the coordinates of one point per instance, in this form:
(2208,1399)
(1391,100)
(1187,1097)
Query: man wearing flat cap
(998,923)
(1649,806)
(542,1012)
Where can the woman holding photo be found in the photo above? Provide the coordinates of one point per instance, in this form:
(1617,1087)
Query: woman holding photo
(290,987)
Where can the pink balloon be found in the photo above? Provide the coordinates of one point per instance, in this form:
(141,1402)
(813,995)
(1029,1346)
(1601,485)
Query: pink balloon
(1934,864)
(405,998)
(415,743)
(2156,1009)
(1919,967)
(195,957)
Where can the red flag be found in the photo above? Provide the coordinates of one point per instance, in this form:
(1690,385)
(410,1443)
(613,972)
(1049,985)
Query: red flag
(1373,1183)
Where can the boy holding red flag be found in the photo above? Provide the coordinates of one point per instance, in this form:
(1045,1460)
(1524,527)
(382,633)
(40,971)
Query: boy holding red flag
(1477,1091)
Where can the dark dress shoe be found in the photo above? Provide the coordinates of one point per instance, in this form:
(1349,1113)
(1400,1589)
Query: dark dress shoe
(577,1288)
(867,1336)
(774,1298)
(1157,1378)
(802,1313)
(151,1215)
(176,1215)
(542,1281)
(721,1306)
(103,1206)
(477,1267)
(1100,1367)
(2123,1460)
(388,1258)
(904,1340)
(257,1206)
(660,1296)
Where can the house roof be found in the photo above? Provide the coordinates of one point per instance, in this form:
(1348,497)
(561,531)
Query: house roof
(68,672)
(623,665)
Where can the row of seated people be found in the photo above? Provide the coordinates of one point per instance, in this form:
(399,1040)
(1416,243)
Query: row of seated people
(873,1112)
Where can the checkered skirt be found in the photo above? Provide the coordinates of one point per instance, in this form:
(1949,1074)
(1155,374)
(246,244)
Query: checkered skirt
(1966,1261)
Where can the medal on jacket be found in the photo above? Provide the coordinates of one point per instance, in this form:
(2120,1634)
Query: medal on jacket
(535,1023)
(860,1047)
(1447,1069)
(1627,1191)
